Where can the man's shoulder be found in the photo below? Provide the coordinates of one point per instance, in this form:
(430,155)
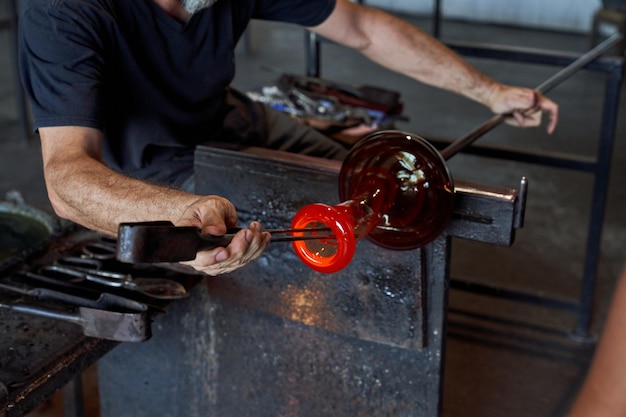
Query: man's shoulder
(68,13)
(61,3)
(68,4)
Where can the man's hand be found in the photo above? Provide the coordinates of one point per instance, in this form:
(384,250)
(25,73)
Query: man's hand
(524,105)
(214,215)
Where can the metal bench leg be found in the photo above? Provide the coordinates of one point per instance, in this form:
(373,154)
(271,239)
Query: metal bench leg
(20,97)
(73,400)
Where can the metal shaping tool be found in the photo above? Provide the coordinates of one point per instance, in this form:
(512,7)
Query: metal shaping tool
(160,288)
(161,241)
(103,300)
(63,285)
(103,324)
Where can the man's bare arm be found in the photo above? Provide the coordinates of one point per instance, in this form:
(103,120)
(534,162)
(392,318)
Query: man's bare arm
(82,189)
(403,48)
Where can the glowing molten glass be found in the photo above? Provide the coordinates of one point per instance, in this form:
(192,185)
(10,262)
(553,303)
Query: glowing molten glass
(396,191)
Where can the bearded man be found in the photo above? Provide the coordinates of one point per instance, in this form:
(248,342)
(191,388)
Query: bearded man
(122,91)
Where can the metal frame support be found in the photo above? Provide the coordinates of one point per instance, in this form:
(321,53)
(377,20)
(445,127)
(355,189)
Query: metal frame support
(599,167)
(10,23)
(437,19)
(73,399)
(602,171)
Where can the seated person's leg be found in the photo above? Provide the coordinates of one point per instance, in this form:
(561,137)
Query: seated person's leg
(253,124)
(288,134)
(604,392)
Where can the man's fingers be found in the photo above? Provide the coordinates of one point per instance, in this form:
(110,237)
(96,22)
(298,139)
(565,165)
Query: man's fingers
(524,107)
(552,109)
(247,245)
(525,118)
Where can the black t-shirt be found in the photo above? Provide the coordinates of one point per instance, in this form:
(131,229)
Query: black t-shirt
(153,85)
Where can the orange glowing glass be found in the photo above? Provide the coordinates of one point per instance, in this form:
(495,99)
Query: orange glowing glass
(396,191)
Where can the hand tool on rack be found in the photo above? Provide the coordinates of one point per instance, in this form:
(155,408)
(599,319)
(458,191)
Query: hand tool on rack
(78,269)
(161,241)
(103,301)
(102,250)
(103,324)
(55,284)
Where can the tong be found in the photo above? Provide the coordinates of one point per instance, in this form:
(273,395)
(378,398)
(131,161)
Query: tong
(161,241)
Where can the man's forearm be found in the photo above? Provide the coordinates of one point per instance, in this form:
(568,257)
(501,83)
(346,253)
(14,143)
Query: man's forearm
(403,48)
(89,193)
(84,190)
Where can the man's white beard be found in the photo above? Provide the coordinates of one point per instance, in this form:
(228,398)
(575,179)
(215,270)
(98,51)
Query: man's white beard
(194,6)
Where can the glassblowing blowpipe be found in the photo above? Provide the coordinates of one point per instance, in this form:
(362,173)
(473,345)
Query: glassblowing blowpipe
(396,189)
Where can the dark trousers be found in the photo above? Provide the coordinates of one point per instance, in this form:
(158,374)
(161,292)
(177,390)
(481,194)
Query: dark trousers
(254,124)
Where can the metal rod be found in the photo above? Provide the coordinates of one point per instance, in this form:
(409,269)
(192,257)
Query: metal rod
(311,234)
(303,230)
(544,87)
(325,234)
(297,238)
(592,54)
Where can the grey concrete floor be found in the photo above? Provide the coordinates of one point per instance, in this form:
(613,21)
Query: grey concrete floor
(503,358)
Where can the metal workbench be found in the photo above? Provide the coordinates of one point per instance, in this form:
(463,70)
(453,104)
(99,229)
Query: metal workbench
(275,338)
